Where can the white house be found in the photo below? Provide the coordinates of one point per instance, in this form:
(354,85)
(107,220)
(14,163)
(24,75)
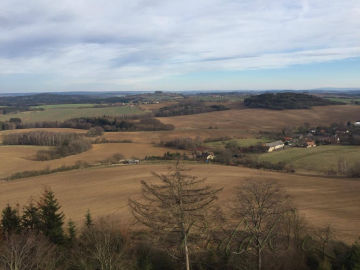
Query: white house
(357,123)
(275,146)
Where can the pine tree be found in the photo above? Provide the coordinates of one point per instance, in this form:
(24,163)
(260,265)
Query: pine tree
(10,220)
(88,219)
(30,219)
(52,219)
(71,230)
(354,258)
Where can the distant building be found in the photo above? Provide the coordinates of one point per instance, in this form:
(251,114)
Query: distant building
(273,146)
(310,144)
(357,123)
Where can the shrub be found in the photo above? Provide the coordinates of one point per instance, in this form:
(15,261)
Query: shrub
(182,143)
(217,139)
(95,131)
(114,159)
(167,156)
(354,171)
(24,174)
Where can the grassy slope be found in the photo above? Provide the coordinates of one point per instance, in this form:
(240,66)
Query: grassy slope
(320,159)
(64,112)
(105,191)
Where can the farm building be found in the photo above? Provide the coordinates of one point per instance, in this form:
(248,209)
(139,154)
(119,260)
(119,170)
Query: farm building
(275,146)
(310,144)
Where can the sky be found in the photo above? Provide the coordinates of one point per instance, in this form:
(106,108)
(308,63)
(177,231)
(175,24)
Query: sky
(121,45)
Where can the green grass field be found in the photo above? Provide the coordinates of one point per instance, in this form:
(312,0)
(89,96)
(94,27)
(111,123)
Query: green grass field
(320,159)
(345,100)
(67,111)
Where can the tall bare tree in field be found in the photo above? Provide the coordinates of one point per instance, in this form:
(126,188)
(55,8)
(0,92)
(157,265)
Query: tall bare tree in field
(260,209)
(175,209)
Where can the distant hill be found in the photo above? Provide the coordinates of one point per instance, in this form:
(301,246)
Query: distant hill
(288,100)
(188,107)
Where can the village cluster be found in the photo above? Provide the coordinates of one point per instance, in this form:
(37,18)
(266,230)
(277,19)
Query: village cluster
(335,134)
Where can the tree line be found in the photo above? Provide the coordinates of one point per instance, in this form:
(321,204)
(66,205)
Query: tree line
(107,123)
(287,100)
(179,225)
(65,143)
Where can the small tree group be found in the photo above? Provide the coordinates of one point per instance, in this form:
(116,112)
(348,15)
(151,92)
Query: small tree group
(43,217)
(181,213)
(260,228)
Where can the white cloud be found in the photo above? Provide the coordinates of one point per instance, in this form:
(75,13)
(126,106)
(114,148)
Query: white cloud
(132,43)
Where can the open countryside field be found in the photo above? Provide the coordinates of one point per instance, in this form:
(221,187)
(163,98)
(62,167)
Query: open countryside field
(254,120)
(322,159)
(67,111)
(18,158)
(157,136)
(240,124)
(65,106)
(105,191)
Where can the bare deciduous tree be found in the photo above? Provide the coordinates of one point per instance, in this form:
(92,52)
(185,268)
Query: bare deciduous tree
(323,236)
(27,252)
(259,210)
(175,209)
(102,246)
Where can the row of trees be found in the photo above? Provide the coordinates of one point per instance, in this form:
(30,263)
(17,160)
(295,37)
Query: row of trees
(179,224)
(140,122)
(44,138)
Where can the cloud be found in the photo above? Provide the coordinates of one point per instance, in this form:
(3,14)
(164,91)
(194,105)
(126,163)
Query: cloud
(132,43)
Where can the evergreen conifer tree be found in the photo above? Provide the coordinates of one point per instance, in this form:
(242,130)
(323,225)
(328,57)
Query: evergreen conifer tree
(88,219)
(52,219)
(354,258)
(30,219)
(71,230)
(10,221)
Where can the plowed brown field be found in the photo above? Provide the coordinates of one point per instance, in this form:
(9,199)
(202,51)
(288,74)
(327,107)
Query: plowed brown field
(21,158)
(105,191)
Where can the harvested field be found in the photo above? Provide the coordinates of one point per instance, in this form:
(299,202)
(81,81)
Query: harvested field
(105,191)
(253,120)
(17,158)
(157,136)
